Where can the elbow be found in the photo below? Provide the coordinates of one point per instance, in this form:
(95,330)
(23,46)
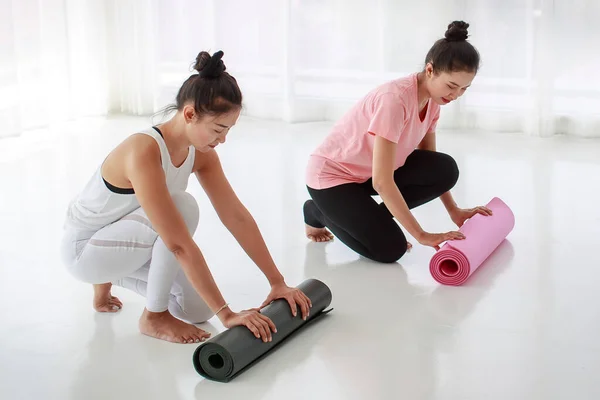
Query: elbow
(380,185)
(237,218)
(179,248)
(175,248)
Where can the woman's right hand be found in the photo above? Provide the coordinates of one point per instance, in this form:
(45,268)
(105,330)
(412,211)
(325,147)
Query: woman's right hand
(435,239)
(260,325)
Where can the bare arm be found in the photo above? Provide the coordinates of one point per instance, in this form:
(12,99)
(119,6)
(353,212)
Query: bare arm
(383,182)
(143,169)
(242,226)
(234,215)
(429,143)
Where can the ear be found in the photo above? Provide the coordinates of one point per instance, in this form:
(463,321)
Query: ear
(188,113)
(429,70)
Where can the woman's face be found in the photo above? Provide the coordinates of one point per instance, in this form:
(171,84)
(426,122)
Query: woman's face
(209,131)
(446,87)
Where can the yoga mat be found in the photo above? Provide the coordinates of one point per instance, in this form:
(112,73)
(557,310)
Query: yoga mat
(457,260)
(228,354)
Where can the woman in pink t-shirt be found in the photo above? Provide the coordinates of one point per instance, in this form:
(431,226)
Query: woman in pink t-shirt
(385,145)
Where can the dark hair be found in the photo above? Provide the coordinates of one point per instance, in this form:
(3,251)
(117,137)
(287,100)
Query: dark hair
(212,90)
(453,53)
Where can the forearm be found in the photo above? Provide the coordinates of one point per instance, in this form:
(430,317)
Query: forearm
(196,270)
(448,201)
(394,201)
(246,232)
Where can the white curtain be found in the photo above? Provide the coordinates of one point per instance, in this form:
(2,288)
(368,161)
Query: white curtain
(299,60)
(52,62)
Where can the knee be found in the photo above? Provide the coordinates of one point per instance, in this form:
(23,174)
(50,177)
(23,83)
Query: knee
(449,170)
(200,315)
(195,313)
(389,256)
(188,207)
(389,252)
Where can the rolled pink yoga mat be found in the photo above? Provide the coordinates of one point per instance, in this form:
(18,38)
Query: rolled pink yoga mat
(457,260)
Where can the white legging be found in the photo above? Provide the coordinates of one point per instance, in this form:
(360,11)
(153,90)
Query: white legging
(129,253)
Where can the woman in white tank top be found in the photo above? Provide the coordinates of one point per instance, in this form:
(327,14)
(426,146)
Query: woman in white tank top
(133,223)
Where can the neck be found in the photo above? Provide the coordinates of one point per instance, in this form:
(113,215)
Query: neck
(423,94)
(174,134)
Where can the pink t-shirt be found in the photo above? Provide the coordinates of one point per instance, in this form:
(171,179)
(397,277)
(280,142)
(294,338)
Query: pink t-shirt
(391,110)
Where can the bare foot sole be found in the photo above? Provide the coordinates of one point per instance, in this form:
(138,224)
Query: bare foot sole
(318,234)
(104,301)
(164,326)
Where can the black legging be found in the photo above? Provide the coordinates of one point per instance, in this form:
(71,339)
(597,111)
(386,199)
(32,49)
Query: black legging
(367,227)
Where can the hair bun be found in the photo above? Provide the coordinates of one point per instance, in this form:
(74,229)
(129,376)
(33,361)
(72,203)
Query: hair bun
(210,67)
(457,31)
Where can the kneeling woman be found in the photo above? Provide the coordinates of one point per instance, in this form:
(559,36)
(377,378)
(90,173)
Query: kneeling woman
(133,223)
(385,145)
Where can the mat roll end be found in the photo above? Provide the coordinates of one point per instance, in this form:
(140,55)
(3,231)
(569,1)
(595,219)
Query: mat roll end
(449,266)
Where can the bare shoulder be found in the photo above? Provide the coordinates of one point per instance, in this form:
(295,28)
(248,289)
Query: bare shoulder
(142,147)
(137,151)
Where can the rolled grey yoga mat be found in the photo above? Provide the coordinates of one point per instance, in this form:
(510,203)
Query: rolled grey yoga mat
(228,354)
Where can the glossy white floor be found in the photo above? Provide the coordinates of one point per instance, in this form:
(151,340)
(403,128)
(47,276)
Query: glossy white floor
(525,326)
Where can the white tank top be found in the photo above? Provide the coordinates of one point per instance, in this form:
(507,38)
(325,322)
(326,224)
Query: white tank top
(100,203)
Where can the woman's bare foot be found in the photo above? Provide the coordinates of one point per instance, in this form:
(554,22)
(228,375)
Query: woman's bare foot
(164,326)
(318,234)
(104,301)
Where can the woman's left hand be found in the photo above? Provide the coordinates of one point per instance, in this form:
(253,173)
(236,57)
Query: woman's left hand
(293,296)
(460,215)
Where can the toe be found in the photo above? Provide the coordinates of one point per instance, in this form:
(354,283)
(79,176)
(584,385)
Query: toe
(107,308)
(204,335)
(198,338)
(116,300)
(115,304)
(192,338)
